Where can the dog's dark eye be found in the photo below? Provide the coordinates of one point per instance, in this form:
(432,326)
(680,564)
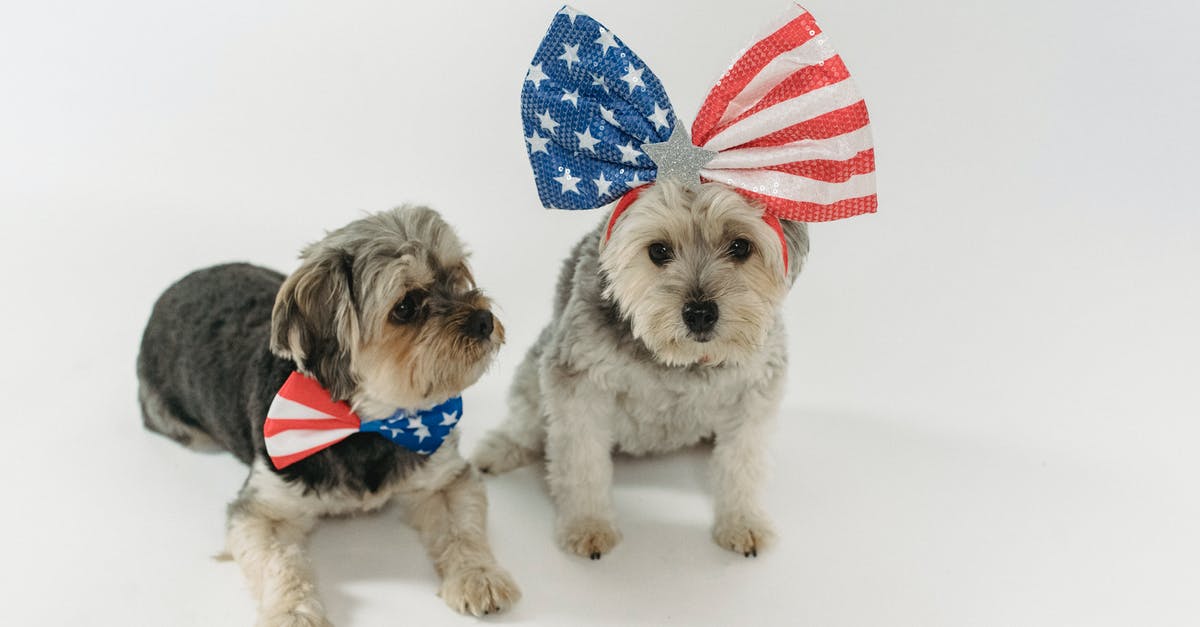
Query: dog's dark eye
(739,248)
(660,253)
(407,309)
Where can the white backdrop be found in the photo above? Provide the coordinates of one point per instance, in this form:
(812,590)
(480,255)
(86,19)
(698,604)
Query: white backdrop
(992,416)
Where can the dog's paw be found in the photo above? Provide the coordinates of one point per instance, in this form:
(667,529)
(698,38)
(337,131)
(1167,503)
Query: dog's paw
(588,537)
(304,615)
(479,590)
(498,454)
(744,534)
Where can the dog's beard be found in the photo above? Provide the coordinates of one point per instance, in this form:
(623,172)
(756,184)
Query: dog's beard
(653,312)
(448,361)
(413,368)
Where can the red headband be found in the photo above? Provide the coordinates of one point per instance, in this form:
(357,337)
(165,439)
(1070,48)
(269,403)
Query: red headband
(633,194)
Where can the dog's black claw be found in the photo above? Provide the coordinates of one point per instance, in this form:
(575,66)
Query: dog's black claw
(595,555)
(487,470)
(753,552)
(746,554)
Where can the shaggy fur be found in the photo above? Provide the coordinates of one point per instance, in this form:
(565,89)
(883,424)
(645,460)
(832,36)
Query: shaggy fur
(221,342)
(621,368)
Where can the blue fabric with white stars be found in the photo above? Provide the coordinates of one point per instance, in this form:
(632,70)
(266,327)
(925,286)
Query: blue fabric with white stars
(588,105)
(421,431)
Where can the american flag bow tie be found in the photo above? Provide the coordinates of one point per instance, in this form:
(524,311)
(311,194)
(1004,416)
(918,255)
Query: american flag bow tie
(785,125)
(304,419)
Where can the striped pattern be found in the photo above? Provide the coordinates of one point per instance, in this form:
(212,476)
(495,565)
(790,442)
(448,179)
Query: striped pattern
(303,420)
(790,127)
(786,121)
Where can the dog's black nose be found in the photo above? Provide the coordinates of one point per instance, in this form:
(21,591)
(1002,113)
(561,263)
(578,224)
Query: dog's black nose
(700,316)
(479,324)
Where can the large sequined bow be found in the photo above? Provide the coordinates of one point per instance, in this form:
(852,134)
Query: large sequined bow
(785,125)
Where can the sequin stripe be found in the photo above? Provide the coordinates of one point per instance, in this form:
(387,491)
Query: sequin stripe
(830,171)
(831,124)
(795,188)
(800,82)
(838,148)
(784,114)
(746,67)
(814,212)
(812,52)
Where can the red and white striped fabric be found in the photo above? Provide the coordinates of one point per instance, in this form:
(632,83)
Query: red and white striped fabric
(303,419)
(790,127)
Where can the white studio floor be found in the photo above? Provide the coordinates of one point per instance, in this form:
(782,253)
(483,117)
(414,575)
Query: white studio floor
(993,415)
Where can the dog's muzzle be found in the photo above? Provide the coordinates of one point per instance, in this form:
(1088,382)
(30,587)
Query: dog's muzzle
(479,324)
(700,317)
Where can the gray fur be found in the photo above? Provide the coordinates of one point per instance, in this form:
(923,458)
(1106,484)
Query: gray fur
(384,314)
(207,371)
(590,378)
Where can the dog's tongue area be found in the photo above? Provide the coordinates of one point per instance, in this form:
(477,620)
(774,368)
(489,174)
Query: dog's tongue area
(704,360)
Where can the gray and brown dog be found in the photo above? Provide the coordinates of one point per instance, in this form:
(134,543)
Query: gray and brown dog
(664,334)
(384,314)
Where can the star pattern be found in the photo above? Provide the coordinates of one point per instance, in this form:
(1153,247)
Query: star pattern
(606,40)
(536,75)
(570,54)
(602,184)
(568,182)
(537,143)
(420,431)
(586,141)
(609,116)
(659,117)
(634,77)
(547,122)
(629,154)
(587,119)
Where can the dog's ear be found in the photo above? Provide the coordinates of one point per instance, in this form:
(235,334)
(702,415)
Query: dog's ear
(315,320)
(796,236)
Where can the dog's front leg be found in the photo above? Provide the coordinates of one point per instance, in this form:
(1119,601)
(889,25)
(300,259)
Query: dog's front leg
(266,536)
(447,504)
(579,466)
(739,471)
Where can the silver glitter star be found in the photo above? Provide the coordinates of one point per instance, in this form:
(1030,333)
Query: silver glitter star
(678,158)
